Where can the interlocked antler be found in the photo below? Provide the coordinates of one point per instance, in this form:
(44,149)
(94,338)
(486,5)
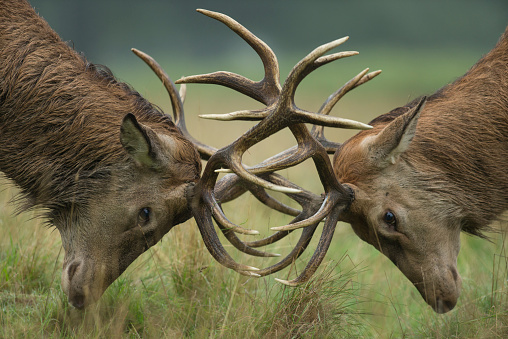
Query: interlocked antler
(280,112)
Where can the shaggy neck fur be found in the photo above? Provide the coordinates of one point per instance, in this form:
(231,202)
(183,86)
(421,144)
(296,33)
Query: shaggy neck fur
(60,116)
(460,151)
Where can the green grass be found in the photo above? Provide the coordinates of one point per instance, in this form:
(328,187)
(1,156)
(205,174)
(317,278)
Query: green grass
(177,290)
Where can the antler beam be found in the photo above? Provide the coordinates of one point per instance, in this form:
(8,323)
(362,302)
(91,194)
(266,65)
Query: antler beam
(206,197)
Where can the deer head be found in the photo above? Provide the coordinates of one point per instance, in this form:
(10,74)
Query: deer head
(388,211)
(144,199)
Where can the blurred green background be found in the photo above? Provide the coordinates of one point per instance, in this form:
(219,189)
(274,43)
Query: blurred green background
(106,30)
(419,45)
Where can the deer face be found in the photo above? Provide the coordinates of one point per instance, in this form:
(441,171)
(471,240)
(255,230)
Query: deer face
(138,205)
(392,212)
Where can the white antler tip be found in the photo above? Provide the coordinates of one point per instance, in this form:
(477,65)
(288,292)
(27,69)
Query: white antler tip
(285,282)
(223,170)
(283,189)
(222,117)
(289,227)
(342,40)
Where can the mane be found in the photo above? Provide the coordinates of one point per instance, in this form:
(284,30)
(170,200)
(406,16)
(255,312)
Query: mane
(60,115)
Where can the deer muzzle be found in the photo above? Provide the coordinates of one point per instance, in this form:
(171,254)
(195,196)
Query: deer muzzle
(83,283)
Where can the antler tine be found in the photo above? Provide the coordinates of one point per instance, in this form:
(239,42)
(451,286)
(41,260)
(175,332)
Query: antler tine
(308,64)
(203,217)
(231,186)
(205,151)
(318,130)
(280,112)
(319,253)
(295,253)
(358,80)
(266,90)
(309,202)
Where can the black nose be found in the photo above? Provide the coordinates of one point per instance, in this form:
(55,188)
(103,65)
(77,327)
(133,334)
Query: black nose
(77,301)
(443,306)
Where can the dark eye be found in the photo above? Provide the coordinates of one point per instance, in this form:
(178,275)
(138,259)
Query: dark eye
(144,215)
(389,219)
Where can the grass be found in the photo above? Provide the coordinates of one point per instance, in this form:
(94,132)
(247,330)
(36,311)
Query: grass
(177,290)
(174,290)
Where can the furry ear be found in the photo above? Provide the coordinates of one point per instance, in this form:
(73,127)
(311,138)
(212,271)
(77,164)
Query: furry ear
(137,142)
(386,147)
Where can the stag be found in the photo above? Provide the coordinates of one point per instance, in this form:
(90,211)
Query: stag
(109,169)
(408,186)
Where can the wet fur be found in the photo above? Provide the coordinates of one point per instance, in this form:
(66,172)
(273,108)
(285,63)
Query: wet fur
(460,151)
(60,115)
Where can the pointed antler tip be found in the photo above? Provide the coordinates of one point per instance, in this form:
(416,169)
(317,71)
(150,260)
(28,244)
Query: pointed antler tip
(221,117)
(206,12)
(251,268)
(286,282)
(136,51)
(223,170)
(288,227)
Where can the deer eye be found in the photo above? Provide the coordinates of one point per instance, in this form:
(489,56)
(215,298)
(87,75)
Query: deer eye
(144,215)
(389,219)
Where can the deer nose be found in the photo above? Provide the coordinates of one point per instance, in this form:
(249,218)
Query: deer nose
(71,286)
(71,270)
(443,306)
(446,303)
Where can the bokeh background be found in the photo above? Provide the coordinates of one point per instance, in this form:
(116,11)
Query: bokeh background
(419,45)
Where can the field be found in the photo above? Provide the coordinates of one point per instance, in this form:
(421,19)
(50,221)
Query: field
(177,290)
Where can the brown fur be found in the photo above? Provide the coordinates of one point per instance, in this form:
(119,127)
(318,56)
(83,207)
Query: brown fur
(454,172)
(60,126)
(50,95)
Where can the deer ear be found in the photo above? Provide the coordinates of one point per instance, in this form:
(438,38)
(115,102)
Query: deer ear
(394,139)
(136,140)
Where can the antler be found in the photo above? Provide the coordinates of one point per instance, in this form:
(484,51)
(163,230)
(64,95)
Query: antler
(177,99)
(280,112)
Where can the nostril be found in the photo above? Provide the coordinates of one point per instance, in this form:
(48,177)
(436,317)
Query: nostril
(455,274)
(443,306)
(78,301)
(72,270)
(449,305)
